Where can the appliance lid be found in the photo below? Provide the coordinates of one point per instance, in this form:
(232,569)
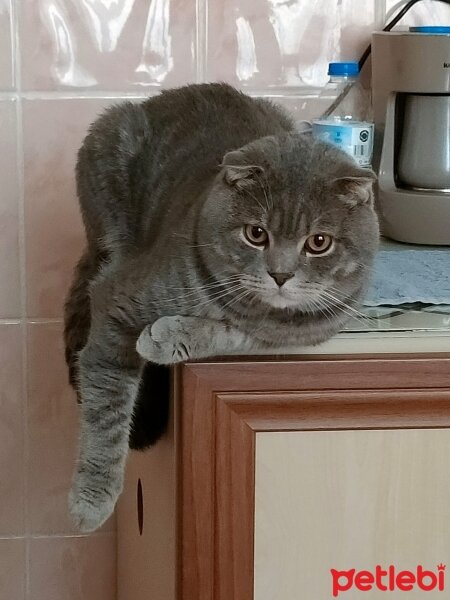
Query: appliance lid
(431,29)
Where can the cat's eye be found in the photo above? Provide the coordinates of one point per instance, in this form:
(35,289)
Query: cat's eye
(255,235)
(318,244)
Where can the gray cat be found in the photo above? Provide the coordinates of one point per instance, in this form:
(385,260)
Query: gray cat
(212,228)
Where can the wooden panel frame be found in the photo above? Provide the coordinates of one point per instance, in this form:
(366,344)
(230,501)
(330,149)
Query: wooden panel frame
(224,405)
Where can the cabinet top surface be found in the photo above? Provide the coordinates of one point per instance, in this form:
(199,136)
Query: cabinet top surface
(405,328)
(393,329)
(377,342)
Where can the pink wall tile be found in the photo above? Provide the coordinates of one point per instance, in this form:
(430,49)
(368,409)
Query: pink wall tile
(53,432)
(52,427)
(53,132)
(6,65)
(73,568)
(11,431)
(9,205)
(12,569)
(427,12)
(128,45)
(285,42)
(107,45)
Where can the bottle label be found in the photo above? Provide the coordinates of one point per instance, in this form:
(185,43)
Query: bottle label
(354,138)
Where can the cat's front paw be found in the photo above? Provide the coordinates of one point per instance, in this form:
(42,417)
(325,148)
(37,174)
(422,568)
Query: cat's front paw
(90,508)
(165,342)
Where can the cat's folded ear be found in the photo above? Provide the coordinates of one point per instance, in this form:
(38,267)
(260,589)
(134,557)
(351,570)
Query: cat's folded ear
(355,188)
(237,172)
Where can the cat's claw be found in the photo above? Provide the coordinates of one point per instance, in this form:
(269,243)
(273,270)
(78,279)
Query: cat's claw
(165,342)
(90,511)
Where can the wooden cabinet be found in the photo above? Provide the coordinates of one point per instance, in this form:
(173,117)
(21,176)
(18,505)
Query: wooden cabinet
(275,471)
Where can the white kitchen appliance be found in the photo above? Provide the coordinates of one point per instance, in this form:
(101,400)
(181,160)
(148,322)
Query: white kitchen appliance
(411,98)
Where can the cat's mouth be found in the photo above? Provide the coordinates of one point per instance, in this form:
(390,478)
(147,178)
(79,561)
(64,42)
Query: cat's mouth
(281,298)
(309,297)
(309,300)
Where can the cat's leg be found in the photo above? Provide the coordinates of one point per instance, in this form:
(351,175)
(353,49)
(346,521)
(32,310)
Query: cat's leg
(77,314)
(151,408)
(174,339)
(109,374)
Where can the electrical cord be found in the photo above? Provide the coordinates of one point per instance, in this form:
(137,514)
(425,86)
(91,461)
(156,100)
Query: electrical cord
(368,50)
(392,24)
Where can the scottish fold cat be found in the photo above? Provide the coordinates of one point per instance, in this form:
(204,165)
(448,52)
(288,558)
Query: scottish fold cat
(213,227)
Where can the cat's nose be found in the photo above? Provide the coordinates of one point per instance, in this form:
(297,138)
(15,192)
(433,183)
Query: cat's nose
(281,278)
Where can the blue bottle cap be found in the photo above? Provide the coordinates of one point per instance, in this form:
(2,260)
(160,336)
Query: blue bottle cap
(431,29)
(350,69)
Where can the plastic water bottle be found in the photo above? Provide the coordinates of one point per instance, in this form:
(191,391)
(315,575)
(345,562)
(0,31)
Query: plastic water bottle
(347,121)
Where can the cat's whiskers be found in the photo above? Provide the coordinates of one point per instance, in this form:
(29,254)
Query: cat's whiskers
(263,320)
(218,296)
(338,303)
(252,300)
(327,311)
(192,291)
(214,295)
(257,286)
(255,199)
(359,313)
(244,287)
(309,304)
(325,307)
(238,298)
(195,287)
(213,278)
(348,310)
(214,290)
(269,204)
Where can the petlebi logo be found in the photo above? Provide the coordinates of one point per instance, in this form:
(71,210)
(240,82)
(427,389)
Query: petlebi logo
(388,580)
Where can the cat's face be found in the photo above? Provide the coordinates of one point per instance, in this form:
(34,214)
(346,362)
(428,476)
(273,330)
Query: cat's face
(293,224)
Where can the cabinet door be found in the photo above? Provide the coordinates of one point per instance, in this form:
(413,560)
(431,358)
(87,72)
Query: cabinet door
(291,468)
(328,502)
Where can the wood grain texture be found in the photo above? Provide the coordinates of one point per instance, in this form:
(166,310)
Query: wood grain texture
(225,404)
(349,499)
(324,372)
(196,488)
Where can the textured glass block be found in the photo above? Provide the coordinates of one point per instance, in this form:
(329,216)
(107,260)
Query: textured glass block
(289,43)
(107,44)
(6,50)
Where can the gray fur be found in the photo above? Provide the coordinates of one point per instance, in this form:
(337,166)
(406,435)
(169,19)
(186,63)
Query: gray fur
(165,187)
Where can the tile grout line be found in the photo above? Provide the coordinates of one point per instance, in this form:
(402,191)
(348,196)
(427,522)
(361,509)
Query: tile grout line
(32,321)
(44,536)
(201,41)
(380,11)
(278,91)
(12,11)
(44,320)
(80,94)
(20,160)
